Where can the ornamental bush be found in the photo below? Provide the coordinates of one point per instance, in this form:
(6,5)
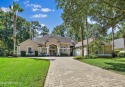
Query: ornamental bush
(93,56)
(116,51)
(79,57)
(121,54)
(63,54)
(23,53)
(36,53)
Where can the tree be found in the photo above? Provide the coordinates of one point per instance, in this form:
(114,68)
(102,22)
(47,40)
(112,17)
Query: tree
(34,28)
(45,31)
(72,16)
(15,8)
(95,46)
(23,29)
(119,33)
(108,14)
(59,30)
(70,32)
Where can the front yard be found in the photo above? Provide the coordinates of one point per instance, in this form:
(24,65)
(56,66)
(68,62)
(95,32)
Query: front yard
(113,64)
(21,72)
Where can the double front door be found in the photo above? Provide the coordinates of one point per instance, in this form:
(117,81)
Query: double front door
(52,52)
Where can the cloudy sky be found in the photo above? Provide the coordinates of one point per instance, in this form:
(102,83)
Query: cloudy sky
(42,10)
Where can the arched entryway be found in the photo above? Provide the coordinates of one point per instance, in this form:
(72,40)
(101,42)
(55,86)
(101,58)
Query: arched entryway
(53,50)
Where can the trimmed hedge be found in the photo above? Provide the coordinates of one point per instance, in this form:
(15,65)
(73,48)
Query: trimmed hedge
(36,53)
(23,53)
(93,56)
(116,51)
(79,57)
(121,54)
(63,54)
(104,55)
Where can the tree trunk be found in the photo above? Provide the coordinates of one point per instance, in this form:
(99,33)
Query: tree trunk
(124,40)
(87,36)
(82,41)
(124,44)
(113,39)
(14,36)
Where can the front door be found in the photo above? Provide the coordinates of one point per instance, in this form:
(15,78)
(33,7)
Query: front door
(52,53)
(52,50)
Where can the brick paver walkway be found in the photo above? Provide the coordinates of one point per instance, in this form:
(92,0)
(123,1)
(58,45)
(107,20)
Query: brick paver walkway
(67,72)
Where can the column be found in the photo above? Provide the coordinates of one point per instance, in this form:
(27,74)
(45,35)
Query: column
(68,51)
(103,49)
(58,50)
(47,50)
(18,50)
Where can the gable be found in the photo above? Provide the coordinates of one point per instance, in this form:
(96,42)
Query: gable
(119,43)
(28,43)
(46,38)
(52,41)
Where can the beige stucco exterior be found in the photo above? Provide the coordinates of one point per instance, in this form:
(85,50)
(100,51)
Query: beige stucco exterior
(52,46)
(61,47)
(24,46)
(105,50)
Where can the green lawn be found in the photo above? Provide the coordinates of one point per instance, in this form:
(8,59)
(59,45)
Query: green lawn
(21,72)
(113,64)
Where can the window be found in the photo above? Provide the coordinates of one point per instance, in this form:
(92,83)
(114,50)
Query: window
(43,50)
(29,49)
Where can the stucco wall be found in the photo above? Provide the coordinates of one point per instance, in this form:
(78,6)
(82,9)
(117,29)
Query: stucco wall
(28,43)
(108,49)
(55,42)
(78,50)
(52,41)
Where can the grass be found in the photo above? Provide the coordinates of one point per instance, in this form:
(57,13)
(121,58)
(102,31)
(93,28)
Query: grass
(21,72)
(112,64)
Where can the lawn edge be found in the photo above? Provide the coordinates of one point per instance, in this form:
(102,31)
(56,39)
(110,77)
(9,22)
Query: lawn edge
(116,72)
(43,84)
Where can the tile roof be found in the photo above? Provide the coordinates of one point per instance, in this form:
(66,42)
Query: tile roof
(44,39)
(90,40)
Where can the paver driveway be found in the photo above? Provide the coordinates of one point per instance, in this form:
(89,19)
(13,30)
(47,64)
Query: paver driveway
(67,72)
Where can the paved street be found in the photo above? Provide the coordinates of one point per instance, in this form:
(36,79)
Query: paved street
(67,72)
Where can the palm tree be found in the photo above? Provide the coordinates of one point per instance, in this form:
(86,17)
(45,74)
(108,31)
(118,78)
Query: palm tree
(14,9)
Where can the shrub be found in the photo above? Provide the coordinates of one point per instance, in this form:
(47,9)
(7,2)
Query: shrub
(93,56)
(79,57)
(104,55)
(114,54)
(36,53)
(3,51)
(15,55)
(43,54)
(63,54)
(86,57)
(116,51)
(121,54)
(23,53)
(10,53)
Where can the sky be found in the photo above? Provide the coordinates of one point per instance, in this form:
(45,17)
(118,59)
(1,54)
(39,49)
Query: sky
(44,11)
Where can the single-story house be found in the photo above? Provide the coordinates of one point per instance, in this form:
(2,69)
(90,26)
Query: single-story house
(47,45)
(119,44)
(106,48)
